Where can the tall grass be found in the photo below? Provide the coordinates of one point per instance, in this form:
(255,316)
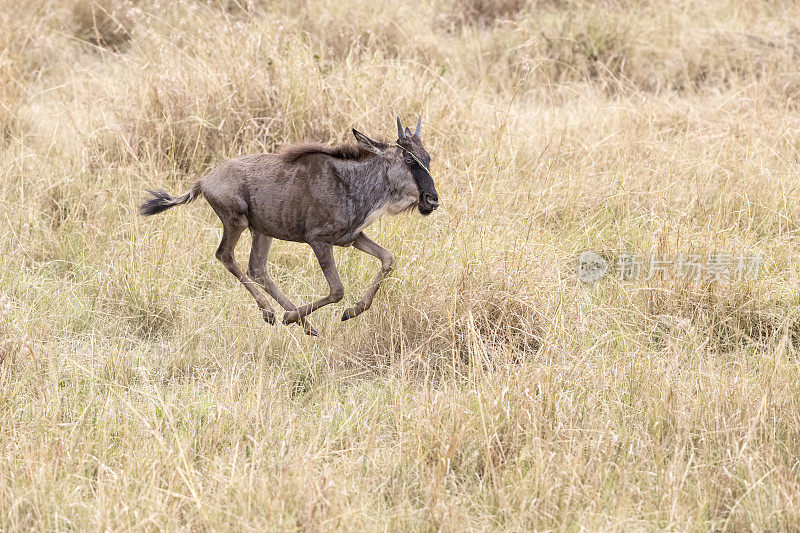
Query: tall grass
(487,388)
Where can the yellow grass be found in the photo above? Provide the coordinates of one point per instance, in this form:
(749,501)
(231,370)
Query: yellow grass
(487,388)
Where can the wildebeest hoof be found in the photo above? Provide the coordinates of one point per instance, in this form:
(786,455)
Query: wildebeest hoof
(290,317)
(269,317)
(309,329)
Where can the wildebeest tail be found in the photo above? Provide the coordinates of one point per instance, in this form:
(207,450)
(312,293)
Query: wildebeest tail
(161,200)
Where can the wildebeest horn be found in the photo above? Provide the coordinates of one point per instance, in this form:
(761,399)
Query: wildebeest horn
(419,126)
(400,134)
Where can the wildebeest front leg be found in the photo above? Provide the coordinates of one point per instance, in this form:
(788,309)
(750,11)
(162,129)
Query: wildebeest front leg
(257,270)
(367,245)
(230,236)
(324,253)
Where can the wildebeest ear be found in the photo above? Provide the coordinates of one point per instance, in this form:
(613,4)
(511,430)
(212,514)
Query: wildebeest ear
(370,144)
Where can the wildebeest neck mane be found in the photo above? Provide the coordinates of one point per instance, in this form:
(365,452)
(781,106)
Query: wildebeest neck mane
(350,152)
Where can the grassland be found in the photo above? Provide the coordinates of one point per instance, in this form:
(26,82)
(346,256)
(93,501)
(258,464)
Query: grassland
(487,388)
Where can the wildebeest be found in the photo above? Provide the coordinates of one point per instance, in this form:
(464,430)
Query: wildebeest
(321,195)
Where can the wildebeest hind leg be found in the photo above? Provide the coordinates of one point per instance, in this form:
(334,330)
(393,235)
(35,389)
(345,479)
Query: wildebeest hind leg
(257,270)
(231,231)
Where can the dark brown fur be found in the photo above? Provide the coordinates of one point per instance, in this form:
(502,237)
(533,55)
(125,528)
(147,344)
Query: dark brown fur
(352,152)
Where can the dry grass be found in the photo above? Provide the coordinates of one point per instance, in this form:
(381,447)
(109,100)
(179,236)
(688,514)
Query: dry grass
(487,388)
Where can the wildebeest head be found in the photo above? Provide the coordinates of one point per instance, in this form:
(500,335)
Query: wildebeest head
(415,159)
(418,162)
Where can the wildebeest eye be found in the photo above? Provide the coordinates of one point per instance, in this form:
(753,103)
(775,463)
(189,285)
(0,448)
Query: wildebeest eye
(409,161)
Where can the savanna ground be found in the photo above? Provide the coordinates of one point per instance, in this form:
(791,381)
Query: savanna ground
(487,388)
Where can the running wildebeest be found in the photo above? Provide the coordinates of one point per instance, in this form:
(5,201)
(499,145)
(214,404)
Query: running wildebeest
(324,196)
